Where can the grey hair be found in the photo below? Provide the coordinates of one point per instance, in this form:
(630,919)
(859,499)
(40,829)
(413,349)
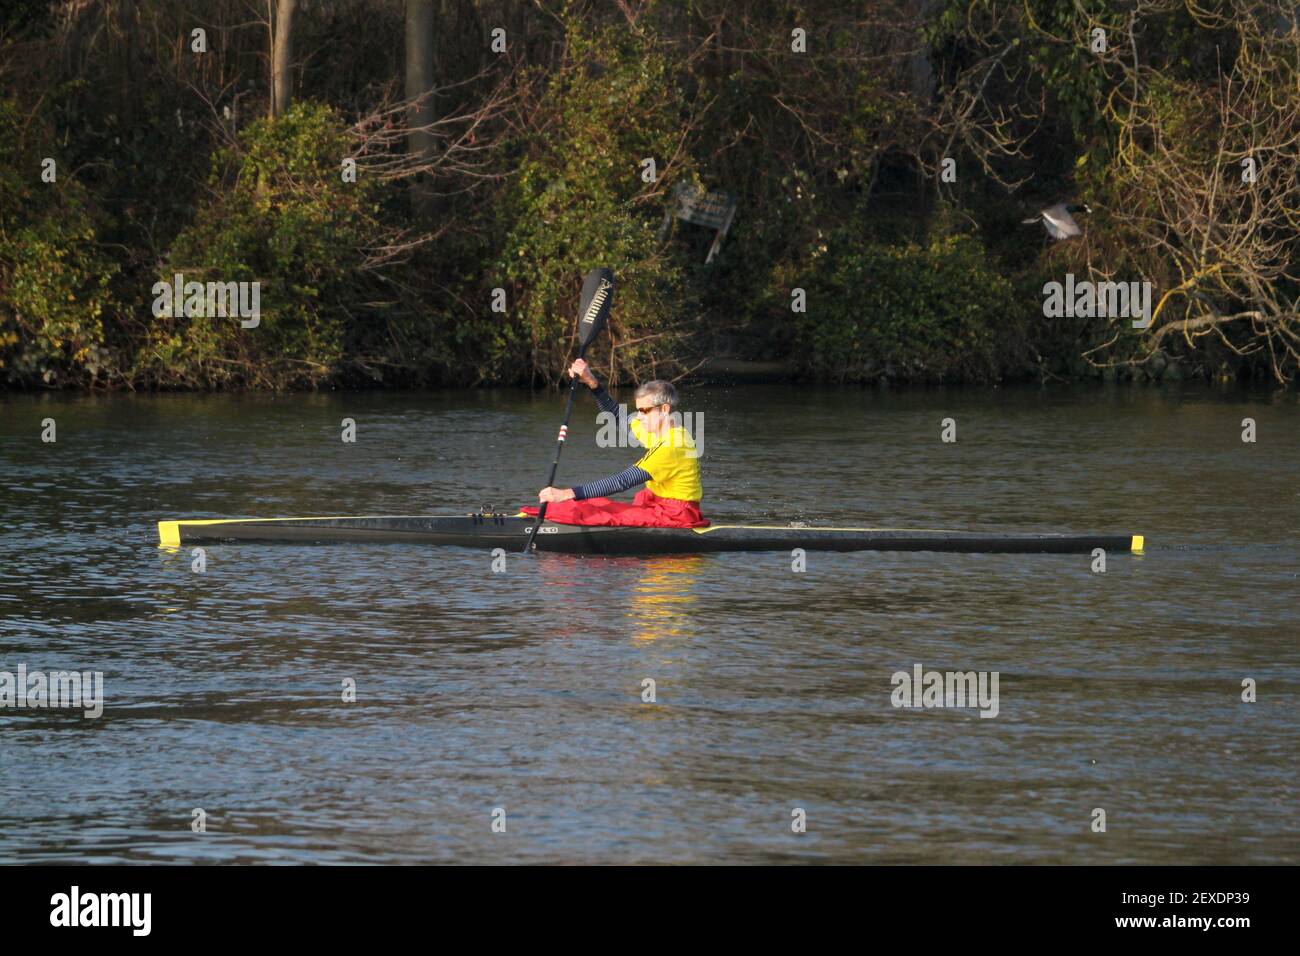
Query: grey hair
(658,392)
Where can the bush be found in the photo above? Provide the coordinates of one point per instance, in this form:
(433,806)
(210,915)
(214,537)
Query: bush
(574,206)
(905,313)
(53,278)
(282,216)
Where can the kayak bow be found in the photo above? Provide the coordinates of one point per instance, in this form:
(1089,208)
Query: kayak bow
(508,531)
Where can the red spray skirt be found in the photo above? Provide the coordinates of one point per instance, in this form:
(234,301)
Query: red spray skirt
(647,510)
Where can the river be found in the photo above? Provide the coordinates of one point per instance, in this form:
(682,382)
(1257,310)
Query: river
(517,696)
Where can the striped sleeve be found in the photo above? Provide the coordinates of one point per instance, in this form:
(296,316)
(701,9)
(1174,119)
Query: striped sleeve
(625,479)
(605,401)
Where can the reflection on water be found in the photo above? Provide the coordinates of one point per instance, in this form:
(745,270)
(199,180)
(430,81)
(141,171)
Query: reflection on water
(656,592)
(523,689)
(662,604)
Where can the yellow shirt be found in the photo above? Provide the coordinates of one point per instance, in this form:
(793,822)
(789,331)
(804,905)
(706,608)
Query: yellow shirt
(671,462)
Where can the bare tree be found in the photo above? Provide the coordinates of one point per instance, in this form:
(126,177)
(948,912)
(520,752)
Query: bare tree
(1207,191)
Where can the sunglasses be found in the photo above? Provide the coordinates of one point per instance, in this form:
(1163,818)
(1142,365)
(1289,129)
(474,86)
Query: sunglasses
(647,411)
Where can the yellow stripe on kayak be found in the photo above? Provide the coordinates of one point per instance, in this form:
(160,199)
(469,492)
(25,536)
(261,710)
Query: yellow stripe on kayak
(1136,544)
(169,532)
(786,527)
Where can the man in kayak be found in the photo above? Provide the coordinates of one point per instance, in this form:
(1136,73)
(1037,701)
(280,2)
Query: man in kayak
(670,469)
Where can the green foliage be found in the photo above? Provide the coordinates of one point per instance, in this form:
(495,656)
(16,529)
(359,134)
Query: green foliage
(26,15)
(53,277)
(279,215)
(829,154)
(1057,48)
(918,313)
(578,202)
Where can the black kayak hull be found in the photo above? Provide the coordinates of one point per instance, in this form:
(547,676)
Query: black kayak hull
(510,531)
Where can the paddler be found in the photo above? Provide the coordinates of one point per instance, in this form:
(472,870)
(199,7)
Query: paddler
(669,469)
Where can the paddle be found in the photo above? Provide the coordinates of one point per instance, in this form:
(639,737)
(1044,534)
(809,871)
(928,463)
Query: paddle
(597,296)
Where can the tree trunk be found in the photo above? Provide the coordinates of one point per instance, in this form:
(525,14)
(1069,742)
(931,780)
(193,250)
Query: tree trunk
(419,90)
(282,56)
(921,68)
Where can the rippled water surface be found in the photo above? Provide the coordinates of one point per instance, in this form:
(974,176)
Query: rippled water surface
(521,690)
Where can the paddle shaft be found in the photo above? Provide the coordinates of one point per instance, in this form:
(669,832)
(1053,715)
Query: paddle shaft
(559,447)
(596,299)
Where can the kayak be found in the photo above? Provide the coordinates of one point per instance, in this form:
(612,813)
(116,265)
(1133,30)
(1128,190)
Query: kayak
(510,532)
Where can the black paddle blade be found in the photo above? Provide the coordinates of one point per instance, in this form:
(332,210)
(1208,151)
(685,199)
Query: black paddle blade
(597,297)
